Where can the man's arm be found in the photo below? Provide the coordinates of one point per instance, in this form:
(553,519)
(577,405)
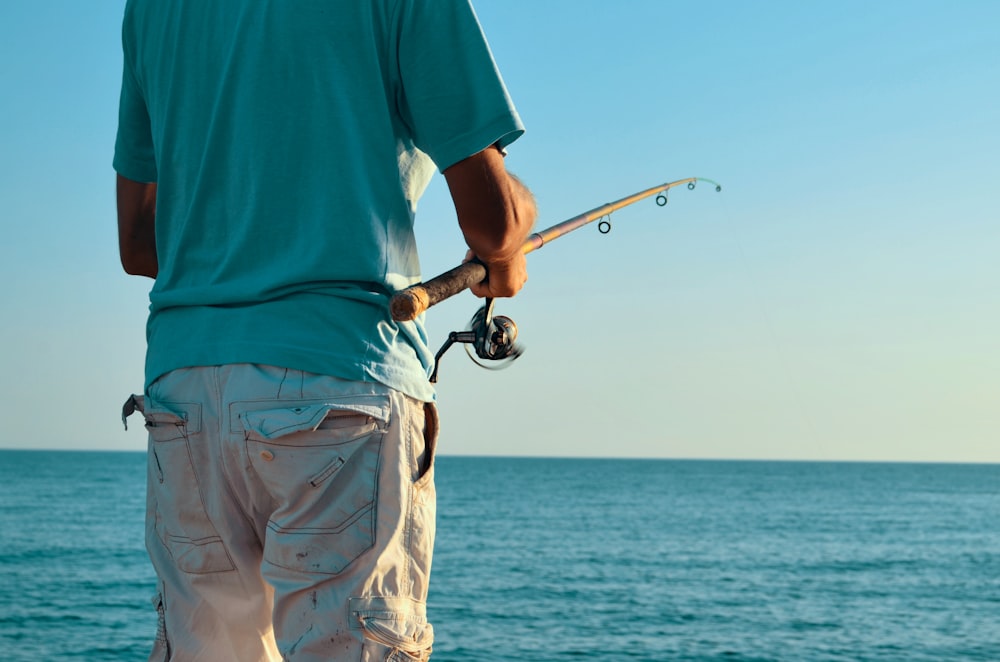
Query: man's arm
(136,223)
(496,213)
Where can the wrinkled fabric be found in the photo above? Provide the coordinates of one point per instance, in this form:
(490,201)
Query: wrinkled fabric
(290,516)
(290,143)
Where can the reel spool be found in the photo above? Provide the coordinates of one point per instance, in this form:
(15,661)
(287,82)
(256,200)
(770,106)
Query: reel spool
(492,338)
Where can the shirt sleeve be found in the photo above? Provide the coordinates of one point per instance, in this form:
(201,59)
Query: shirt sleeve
(134,153)
(451,94)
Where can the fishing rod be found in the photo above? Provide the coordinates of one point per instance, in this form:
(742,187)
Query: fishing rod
(492,337)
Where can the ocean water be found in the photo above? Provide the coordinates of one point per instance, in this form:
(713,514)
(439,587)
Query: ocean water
(558,559)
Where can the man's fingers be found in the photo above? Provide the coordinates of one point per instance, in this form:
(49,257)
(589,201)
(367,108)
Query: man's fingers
(503,279)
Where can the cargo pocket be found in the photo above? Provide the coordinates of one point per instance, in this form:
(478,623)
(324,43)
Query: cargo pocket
(425,460)
(181,522)
(423,508)
(395,629)
(319,463)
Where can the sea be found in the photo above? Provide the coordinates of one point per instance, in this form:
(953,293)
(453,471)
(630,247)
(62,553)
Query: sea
(568,559)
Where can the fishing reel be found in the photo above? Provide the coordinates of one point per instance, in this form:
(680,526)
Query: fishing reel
(491,337)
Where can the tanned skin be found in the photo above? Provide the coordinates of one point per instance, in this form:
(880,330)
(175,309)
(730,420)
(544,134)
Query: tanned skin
(136,227)
(495,213)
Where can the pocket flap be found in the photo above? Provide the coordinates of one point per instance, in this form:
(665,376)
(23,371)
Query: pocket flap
(273,423)
(410,636)
(171,420)
(394,622)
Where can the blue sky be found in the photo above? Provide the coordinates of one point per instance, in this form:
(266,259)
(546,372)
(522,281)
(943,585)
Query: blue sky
(837,301)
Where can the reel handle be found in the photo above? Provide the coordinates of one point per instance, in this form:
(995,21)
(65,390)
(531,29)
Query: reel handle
(414,300)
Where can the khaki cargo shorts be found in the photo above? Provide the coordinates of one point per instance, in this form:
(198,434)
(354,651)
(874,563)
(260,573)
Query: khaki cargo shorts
(290,516)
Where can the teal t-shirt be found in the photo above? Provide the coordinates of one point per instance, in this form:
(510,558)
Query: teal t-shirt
(290,142)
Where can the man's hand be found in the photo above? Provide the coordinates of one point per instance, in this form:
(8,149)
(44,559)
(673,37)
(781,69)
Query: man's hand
(496,213)
(503,279)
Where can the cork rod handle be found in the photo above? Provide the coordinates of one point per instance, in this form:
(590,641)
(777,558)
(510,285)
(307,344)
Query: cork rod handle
(414,300)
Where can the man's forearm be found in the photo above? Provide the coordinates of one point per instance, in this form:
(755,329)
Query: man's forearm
(137,227)
(496,212)
(497,233)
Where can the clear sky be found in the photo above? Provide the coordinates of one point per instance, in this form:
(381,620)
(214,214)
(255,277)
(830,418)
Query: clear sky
(839,299)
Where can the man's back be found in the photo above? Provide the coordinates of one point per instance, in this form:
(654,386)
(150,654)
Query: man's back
(269,157)
(287,147)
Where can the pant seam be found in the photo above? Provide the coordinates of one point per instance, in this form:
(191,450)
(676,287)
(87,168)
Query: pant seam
(226,439)
(407,463)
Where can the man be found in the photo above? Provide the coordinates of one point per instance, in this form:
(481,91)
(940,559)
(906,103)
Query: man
(269,156)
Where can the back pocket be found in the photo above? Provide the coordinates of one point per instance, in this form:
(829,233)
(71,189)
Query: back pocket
(319,463)
(181,522)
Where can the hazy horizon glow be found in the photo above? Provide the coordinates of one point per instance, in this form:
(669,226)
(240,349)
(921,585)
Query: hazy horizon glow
(837,301)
